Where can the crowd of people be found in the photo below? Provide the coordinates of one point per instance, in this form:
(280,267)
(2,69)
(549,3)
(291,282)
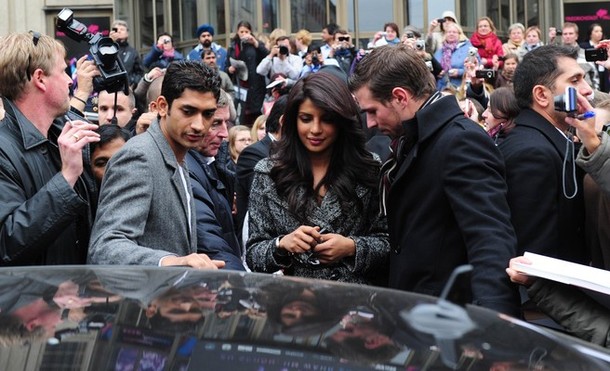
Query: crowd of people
(389,166)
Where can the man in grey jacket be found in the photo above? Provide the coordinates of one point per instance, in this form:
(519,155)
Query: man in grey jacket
(146,212)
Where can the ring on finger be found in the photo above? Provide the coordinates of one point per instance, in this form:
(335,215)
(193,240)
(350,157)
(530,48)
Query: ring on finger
(76,137)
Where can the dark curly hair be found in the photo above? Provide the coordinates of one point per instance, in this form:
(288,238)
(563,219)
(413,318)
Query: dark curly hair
(350,162)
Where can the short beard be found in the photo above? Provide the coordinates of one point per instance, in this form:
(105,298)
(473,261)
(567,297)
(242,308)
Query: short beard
(207,44)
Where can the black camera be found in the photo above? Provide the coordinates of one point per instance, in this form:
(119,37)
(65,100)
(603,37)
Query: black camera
(315,60)
(501,58)
(592,55)
(558,32)
(410,35)
(104,51)
(420,45)
(441,20)
(485,74)
(284,50)
(567,101)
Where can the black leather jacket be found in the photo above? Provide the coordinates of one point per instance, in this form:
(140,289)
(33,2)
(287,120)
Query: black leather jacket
(43,220)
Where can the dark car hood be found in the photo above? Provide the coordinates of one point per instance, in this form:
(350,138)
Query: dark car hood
(148,318)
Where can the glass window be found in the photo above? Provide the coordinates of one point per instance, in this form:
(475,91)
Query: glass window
(243,10)
(312,14)
(373,14)
(416,14)
(216,10)
(499,12)
(437,7)
(188,17)
(150,15)
(527,13)
(270,15)
(468,15)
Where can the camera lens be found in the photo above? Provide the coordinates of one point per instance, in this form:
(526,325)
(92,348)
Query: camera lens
(283,50)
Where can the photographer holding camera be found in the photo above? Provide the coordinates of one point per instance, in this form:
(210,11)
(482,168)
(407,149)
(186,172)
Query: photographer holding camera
(280,60)
(162,53)
(411,37)
(436,31)
(342,50)
(129,55)
(46,196)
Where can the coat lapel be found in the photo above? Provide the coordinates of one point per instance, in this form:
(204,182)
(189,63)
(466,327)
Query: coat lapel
(172,162)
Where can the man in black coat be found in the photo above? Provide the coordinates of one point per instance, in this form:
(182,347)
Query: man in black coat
(46,195)
(253,153)
(129,56)
(216,234)
(443,190)
(544,191)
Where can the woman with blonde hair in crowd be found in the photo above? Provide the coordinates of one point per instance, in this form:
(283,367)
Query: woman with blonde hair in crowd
(302,39)
(452,55)
(239,138)
(487,42)
(258,128)
(532,40)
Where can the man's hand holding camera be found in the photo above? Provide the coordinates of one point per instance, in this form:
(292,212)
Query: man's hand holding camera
(586,129)
(86,70)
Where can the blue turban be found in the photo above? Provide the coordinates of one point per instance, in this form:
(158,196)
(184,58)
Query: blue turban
(204,28)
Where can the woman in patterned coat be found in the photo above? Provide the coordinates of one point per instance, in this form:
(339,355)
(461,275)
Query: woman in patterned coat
(314,206)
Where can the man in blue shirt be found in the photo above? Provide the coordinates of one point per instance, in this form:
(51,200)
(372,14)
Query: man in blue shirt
(205,34)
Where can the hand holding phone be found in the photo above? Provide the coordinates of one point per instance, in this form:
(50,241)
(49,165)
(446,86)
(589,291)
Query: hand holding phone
(596,54)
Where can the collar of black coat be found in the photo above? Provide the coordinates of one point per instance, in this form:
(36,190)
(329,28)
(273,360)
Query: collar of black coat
(433,115)
(532,119)
(30,135)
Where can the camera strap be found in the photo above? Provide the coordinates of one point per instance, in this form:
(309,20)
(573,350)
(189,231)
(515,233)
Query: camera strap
(114,120)
(569,168)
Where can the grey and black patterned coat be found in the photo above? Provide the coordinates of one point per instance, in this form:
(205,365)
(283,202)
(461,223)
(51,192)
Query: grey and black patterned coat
(270,217)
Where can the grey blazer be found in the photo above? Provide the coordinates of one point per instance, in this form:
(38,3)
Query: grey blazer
(142,214)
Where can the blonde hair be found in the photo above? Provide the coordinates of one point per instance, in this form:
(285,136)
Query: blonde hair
(233,137)
(305,37)
(260,120)
(275,34)
(21,54)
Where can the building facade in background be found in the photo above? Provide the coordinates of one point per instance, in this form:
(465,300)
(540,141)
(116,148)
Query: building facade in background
(362,18)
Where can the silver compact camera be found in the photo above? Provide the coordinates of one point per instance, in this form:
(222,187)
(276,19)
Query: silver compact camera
(420,45)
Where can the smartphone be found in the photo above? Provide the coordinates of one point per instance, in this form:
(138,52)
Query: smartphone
(593,54)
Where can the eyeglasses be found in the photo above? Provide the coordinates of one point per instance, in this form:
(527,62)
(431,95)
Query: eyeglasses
(35,38)
(343,38)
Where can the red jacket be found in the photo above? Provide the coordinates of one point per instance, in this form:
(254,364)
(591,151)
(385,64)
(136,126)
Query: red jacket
(488,46)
